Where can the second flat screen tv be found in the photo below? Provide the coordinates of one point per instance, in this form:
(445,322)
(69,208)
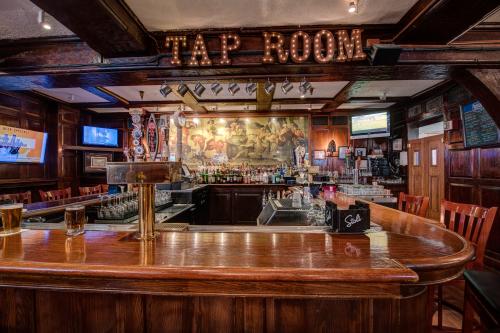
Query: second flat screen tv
(371,125)
(99,136)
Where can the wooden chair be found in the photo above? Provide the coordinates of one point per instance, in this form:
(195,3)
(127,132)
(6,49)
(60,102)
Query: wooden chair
(55,194)
(90,190)
(413,204)
(474,224)
(22,197)
(104,188)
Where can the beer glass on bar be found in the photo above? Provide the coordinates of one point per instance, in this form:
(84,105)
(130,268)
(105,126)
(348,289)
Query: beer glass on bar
(11,219)
(74,217)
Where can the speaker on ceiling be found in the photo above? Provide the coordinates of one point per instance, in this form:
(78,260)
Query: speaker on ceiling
(384,54)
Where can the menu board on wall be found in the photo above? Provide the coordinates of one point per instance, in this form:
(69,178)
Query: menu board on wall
(479,128)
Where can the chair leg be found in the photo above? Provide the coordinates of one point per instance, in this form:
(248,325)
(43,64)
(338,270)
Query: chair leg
(430,306)
(468,318)
(440,307)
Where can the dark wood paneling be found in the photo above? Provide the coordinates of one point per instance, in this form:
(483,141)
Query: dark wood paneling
(17,310)
(220,209)
(247,205)
(461,163)
(489,163)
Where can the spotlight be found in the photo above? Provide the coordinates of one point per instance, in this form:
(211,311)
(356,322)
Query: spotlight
(269,87)
(233,88)
(251,87)
(42,20)
(286,86)
(310,107)
(216,88)
(304,87)
(199,89)
(165,89)
(196,121)
(182,89)
(353,8)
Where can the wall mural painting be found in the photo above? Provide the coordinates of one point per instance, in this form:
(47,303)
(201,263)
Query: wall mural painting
(256,141)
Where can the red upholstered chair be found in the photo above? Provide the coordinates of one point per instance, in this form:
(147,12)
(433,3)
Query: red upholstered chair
(474,224)
(104,188)
(22,197)
(413,204)
(90,190)
(55,194)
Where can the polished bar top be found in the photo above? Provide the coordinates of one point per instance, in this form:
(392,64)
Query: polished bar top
(409,249)
(50,207)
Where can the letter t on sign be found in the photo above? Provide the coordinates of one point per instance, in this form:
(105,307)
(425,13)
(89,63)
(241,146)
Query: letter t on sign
(177,42)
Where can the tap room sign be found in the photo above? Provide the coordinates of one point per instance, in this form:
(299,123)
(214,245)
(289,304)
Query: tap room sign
(322,47)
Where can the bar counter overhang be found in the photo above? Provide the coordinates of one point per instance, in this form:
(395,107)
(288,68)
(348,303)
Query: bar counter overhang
(275,282)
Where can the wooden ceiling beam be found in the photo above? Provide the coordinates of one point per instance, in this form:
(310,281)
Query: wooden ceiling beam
(189,99)
(341,97)
(264,100)
(439,22)
(109,27)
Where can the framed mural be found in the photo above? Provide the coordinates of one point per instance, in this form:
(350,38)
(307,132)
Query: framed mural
(264,141)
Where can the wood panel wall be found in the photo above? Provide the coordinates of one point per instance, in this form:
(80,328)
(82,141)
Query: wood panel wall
(22,111)
(322,134)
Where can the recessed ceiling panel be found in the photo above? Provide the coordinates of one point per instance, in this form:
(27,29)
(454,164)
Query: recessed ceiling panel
(109,110)
(234,108)
(197,14)
(151,93)
(19,19)
(366,105)
(321,90)
(71,95)
(391,88)
(167,108)
(297,107)
(224,94)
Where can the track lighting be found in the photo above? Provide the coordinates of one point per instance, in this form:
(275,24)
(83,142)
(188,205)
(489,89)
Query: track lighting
(286,86)
(216,88)
(165,89)
(233,88)
(199,89)
(269,87)
(42,20)
(251,87)
(182,89)
(304,87)
(353,7)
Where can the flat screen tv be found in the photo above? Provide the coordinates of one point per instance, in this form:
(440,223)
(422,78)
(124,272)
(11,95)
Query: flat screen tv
(479,129)
(371,125)
(99,136)
(18,145)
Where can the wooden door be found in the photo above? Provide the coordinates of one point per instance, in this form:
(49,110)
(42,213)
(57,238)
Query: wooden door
(220,206)
(247,205)
(434,173)
(426,171)
(415,168)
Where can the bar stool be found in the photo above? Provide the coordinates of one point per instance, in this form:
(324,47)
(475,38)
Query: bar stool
(55,194)
(482,296)
(413,204)
(90,190)
(474,224)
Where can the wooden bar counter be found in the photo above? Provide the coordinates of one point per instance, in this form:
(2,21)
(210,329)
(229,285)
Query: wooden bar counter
(228,281)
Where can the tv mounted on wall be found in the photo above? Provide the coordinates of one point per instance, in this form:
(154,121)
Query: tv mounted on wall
(100,136)
(19,145)
(372,125)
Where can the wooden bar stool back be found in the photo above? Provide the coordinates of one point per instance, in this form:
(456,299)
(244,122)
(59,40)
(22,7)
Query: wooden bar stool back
(413,204)
(472,222)
(90,190)
(23,197)
(55,194)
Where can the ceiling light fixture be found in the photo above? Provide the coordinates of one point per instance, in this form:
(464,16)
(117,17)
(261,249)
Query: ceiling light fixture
(353,7)
(165,89)
(196,121)
(269,87)
(182,89)
(286,86)
(233,88)
(251,87)
(216,88)
(310,107)
(42,20)
(304,87)
(199,89)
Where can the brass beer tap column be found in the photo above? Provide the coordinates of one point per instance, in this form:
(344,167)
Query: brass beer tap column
(145,175)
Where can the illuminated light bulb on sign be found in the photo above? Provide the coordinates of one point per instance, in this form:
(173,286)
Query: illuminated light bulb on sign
(350,47)
(318,47)
(226,47)
(277,46)
(294,47)
(176,42)
(199,50)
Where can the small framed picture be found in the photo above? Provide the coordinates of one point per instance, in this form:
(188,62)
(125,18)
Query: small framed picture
(342,151)
(397,144)
(96,162)
(319,154)
(360,151)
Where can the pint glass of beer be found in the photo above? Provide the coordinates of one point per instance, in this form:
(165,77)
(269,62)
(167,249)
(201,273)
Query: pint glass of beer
(74,217)
(11,219)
